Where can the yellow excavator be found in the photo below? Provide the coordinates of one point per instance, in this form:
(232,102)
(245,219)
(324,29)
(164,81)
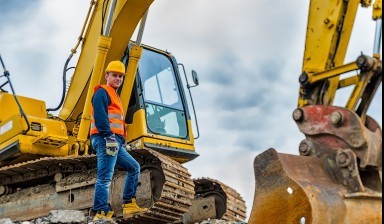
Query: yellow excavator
(338,176)
(47,163)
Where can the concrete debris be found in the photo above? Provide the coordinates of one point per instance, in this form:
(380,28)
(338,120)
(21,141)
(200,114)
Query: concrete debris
(58,216)
(66,216)
(6,221)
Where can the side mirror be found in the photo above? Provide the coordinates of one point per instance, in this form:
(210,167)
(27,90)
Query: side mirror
(195,77)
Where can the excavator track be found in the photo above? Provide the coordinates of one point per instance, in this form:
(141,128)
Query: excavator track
(166,188)
(230,206)
(177,190)
(27,173)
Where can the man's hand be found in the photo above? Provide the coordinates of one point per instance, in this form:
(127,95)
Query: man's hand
(112,145)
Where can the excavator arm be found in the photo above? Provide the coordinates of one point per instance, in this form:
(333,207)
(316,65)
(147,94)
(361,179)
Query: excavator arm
(338,176)
(330,24)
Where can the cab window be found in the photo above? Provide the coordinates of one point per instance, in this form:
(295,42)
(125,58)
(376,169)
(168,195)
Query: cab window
(164,108)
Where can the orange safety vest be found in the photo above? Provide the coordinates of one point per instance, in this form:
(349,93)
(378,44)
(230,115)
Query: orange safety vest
(115,113)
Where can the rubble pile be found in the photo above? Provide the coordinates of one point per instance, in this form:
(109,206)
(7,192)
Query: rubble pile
(58,216)
(71,217)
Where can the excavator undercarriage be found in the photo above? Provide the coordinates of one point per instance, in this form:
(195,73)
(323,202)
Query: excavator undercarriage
(215,200)
(165,187)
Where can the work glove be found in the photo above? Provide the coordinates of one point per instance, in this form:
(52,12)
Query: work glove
(112,145)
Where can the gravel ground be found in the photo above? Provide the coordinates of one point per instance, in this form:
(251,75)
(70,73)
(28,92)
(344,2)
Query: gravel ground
(45,220)
(70,216)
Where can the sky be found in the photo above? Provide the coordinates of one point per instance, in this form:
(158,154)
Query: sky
(248,55)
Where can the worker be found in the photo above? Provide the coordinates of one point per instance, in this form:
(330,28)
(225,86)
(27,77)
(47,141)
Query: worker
(108,139)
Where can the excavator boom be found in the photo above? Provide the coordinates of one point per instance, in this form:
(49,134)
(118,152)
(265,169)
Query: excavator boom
(127,16)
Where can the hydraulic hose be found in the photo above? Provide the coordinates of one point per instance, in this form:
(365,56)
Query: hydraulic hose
(90,14)
(64,85)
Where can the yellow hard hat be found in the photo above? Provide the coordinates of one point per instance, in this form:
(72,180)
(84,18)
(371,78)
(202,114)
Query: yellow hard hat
(116,67)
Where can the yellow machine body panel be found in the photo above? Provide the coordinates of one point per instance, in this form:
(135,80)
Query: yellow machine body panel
(33,107)
(11,127)
(12,124)
(45,137)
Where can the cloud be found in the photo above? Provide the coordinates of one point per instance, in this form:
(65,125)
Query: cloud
(248,55)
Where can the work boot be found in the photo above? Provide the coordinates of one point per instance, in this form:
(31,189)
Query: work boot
(100,215)
(132,209)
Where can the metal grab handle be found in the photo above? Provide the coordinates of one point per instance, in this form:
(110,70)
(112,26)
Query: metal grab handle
(6,74)
(193,105)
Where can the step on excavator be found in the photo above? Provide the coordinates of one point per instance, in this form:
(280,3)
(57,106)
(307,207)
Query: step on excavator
(338,176)
(47,162)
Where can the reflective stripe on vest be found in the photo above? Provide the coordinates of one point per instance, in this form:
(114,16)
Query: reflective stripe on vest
(115,113)
(111,125)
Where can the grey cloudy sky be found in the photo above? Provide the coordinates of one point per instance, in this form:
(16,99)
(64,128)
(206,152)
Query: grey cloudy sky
(248,55)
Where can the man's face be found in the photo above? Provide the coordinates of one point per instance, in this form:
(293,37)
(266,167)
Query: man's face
(114,79)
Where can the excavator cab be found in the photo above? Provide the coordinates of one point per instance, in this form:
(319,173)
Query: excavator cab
(158,110)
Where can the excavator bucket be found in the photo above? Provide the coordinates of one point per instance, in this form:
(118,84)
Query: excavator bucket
(298,189)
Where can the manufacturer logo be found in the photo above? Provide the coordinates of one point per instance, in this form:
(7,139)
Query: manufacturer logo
(6,127)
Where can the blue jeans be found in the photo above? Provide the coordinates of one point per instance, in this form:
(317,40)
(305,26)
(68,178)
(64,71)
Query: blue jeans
(105,169)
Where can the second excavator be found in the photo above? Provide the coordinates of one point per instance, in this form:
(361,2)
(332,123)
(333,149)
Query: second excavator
(338,176)
(46,161)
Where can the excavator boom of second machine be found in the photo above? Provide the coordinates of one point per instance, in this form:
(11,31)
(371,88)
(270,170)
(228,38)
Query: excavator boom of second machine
(338,176)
